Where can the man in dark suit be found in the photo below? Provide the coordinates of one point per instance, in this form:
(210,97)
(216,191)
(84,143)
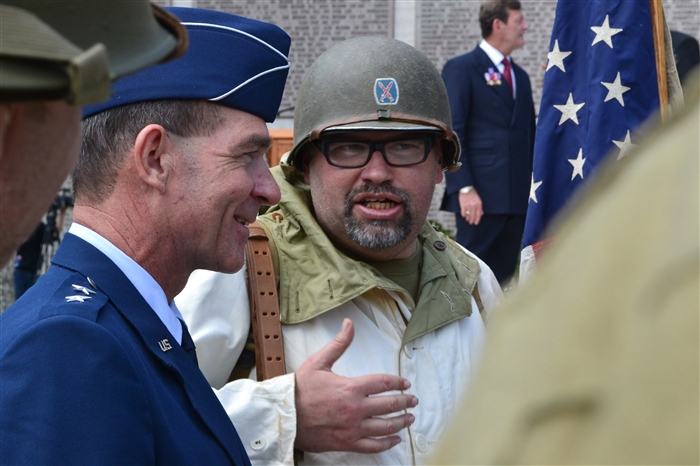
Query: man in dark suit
(96,365)
(493,115)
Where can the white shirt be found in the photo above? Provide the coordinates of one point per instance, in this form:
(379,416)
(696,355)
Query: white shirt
(146,285)
(497,58)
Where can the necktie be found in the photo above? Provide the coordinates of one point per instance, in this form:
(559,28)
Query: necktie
(188,344)
(506,74)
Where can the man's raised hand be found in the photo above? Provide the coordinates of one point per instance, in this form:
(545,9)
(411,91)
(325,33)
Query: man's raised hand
(336,413)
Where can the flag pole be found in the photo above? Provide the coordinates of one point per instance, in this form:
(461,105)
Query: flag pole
(657,27)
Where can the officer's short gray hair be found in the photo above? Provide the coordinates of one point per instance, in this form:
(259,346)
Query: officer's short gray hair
(109,136)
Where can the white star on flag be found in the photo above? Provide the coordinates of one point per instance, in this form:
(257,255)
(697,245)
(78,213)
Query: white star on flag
(596,74)
(556,57)
(604,33)
(533,188)
(569,110)
(578,165)
(615,90)
(625,146)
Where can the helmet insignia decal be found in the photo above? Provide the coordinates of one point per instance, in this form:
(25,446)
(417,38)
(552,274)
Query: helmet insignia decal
(386,91)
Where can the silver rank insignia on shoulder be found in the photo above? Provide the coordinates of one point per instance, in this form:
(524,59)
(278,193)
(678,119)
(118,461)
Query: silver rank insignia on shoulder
(165,345)
(77,299)
(83,289)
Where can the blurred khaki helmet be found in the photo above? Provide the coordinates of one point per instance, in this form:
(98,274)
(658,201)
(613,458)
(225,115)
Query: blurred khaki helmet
(73,49)
(373,84)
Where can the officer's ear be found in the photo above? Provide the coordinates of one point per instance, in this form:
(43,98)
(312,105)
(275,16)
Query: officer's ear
(153,156)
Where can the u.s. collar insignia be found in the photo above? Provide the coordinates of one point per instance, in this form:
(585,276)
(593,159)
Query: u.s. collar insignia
(165,345)
(493,77)
(386,91)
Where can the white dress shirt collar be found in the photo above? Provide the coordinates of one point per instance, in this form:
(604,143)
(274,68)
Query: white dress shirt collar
(493,53)
(151,291)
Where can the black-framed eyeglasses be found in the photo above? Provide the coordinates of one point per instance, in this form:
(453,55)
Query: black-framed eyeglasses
(356,154)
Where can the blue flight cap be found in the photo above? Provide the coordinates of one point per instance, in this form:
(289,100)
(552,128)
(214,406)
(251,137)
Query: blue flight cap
(233,61)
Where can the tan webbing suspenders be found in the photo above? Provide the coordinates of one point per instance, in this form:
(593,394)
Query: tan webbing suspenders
(264,306)
(264,312)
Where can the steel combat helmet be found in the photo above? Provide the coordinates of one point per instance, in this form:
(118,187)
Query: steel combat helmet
(72,50)
(373,84)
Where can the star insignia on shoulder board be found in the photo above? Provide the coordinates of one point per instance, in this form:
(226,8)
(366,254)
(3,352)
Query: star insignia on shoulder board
(83,289)
(77,299)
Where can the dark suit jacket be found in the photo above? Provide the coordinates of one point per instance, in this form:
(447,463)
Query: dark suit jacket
(497,134)
(686,52)
(90,383)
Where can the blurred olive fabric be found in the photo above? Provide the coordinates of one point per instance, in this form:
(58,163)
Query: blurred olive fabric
(595,360)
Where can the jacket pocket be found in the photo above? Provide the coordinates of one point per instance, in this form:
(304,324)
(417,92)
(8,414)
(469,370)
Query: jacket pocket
(480,144)
(480,152)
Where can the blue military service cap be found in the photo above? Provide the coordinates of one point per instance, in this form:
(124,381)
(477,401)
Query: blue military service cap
(233,61)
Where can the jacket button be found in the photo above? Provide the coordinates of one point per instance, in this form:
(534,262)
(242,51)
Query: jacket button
(439,245)
(258,444)
(421,443)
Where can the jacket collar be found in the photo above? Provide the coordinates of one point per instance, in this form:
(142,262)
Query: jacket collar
(81,257)
(144,283)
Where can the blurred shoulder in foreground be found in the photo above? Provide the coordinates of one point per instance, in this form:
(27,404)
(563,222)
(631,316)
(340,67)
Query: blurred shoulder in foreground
(596,359)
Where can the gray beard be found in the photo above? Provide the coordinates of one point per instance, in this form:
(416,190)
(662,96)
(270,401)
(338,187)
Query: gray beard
(378,234)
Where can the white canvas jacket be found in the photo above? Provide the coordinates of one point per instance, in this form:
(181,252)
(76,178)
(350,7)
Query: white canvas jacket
(437,352)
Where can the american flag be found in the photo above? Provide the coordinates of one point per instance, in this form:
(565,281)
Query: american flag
(600,84)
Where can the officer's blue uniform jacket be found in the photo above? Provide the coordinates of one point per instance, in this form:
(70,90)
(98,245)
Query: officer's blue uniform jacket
(90,375)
